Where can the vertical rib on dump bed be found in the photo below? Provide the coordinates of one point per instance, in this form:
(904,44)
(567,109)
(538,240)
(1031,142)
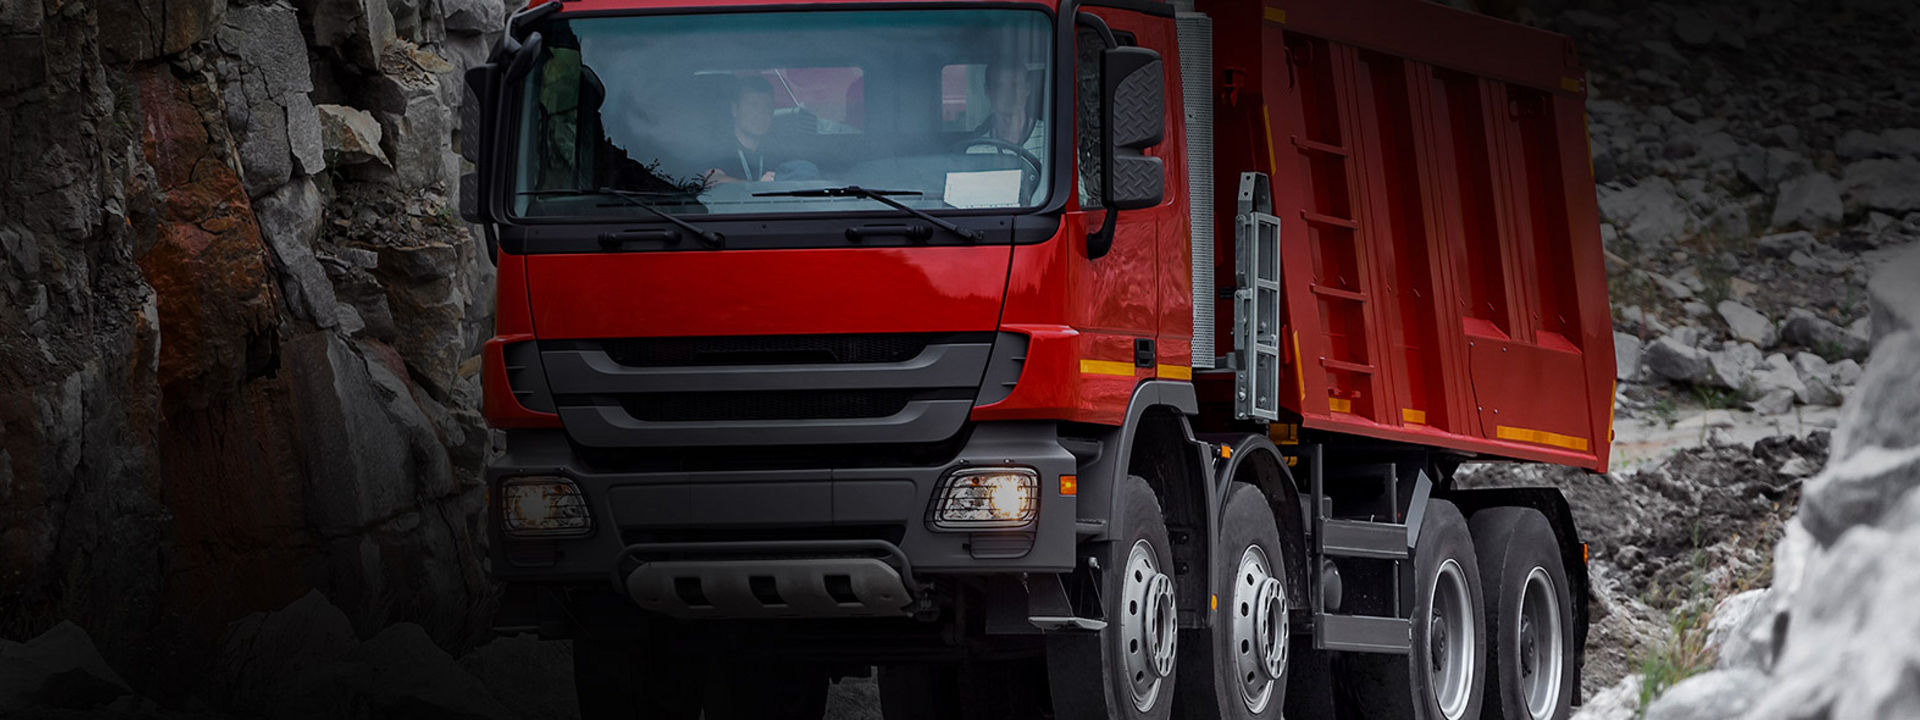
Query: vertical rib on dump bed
(1443,274)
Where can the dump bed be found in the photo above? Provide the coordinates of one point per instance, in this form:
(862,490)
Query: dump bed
(1441,266)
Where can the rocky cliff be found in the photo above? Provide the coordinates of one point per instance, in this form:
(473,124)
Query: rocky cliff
(238,321)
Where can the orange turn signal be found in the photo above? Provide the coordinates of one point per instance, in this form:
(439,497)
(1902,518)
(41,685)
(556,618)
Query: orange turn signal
(1069,484)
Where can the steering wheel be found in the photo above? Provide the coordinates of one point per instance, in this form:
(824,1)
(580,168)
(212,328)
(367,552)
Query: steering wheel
(1032,162)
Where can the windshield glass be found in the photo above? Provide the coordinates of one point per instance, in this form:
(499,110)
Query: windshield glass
(716,114)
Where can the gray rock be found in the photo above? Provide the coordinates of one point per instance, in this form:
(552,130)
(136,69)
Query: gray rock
(1748,324)
(1797,467)
(1811,331)
(350,136)
(59,667)
(1626,356)
(266,79)
(1903,142)
(473,17)
(401,672)
(1893,295)
(1716,695)
(1775,373)
(1742,630)
(1672,359)
(1859,144)
(1620,702)
(289,222)
(1876,451)
(1811,201)
(1886,185)
(1650,213)
(272,661)
(1846,372)
(359,462)
(1781,245)
(304,137)
(1773,402)
(361,30)
(533,679)
(1733,365)
(1817,376)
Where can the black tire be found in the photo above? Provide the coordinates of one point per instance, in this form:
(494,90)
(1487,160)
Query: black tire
(1219,688)
(1087,672)
(1513,544)
(1392,686)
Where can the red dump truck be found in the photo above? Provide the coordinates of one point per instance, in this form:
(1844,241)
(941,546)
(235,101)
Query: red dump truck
(1048,358)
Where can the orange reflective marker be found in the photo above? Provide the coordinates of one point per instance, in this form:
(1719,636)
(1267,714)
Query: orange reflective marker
(1069,484)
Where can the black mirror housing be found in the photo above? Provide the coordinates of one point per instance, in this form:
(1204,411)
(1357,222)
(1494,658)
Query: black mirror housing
(1134,86)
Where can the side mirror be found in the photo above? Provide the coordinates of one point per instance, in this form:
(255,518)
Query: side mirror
(1135,109)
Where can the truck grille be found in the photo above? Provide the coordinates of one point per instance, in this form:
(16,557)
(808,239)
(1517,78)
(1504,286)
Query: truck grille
(777,390)
(790,405)
(770,349)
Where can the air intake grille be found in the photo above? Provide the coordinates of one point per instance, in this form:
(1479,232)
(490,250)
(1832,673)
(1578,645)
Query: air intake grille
(1196,81)
(789,405)
(768,349)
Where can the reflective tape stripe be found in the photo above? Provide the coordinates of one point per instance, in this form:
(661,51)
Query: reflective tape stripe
(1174,372)
(1106,367)
(1540,436)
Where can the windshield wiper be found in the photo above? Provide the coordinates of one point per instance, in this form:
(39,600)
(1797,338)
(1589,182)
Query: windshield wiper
(879,196)
(707,237)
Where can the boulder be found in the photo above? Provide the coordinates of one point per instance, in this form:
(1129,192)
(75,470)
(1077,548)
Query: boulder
(473,17)
(1876,452)
(400,672)
(290,222)
(265,79)
(1775,373)
(1716,695)
(1810,201)
(1672,359)
(1893,295)
(1741,631)
(1765,168)
(1891,186)
(360,30)
(1817,377)
(1811,331)
(1748,324)
(1859,144)
(1773,402)
(1626,356)
(60,668)
(1650,213)
(1620,702)
(1901,142)
(350,136)
(1733,365)
(272,661)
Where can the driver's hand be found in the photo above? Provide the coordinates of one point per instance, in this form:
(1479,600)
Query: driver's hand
(767,176)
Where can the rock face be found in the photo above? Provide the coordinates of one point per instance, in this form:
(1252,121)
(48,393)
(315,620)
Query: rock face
(1816,644)
(191,431)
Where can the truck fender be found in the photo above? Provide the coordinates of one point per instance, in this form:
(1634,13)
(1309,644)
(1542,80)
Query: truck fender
(1189,502)
(1256,460)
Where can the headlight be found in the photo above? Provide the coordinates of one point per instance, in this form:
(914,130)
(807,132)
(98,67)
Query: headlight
(543,507)
(987,498)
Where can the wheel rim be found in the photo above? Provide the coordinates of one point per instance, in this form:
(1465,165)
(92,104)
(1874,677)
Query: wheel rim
(1259,612)
(1149,626)
(1450,640)
(1540,648)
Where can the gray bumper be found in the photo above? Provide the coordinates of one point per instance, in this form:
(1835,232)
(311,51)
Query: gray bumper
(801,504)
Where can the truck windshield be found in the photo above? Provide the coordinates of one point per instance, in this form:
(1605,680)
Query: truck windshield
(727,113)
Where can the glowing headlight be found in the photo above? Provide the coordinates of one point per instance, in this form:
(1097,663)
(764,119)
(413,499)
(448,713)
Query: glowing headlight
(987,498)
(543,506)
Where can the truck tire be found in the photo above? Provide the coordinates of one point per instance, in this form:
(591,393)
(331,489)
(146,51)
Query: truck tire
(1125,671)
(1530,666)
(1247,676)
(1442,678)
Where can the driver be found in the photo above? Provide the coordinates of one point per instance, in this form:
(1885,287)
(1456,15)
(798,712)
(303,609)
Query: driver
(746,157)
(1010,100)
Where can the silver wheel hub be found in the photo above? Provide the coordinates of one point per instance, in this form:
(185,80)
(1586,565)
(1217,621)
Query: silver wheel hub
(1259,618)
(1149,625)
(1540,647)
(1450,628)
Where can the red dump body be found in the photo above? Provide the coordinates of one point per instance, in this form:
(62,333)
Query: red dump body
(1442,266)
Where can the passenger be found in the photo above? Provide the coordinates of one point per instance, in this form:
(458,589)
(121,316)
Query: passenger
(747,157)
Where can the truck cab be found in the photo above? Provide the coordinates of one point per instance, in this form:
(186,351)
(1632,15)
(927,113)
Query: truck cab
(903,335)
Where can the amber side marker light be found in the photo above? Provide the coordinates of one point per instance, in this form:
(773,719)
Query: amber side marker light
(1069,484)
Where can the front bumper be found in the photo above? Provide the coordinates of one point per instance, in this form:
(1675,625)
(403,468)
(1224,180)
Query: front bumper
(695,519)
